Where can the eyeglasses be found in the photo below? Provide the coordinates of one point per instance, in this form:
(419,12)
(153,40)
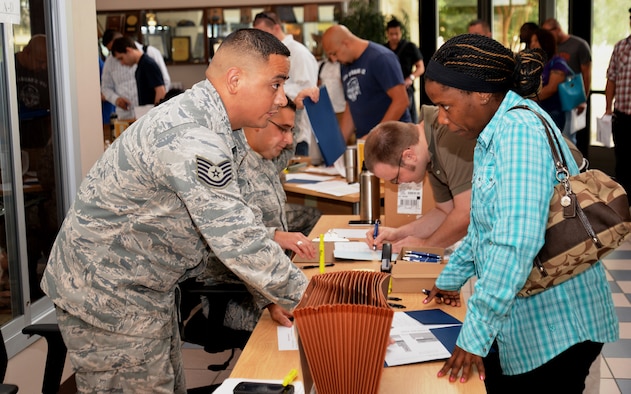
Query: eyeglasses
(395,181)
(263,15)
(282,129)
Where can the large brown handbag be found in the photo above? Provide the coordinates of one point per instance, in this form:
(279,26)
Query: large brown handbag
(589,218)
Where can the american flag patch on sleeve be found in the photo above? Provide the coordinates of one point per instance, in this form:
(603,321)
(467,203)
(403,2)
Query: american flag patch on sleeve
(214,175)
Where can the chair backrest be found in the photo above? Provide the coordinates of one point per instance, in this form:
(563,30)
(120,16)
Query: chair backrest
(4,363)
(4,358)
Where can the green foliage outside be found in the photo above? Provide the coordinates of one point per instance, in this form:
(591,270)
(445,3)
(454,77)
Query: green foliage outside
(365,21)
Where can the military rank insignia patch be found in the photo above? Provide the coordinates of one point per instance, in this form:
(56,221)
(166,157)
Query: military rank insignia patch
(215,175)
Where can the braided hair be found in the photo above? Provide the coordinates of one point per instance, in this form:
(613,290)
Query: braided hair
(476,63)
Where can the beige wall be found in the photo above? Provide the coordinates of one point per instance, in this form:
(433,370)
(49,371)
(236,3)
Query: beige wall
(87,88)
(187,74)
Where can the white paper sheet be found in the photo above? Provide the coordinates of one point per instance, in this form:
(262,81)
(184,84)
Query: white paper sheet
(287,338)
(357,251)
(336,188)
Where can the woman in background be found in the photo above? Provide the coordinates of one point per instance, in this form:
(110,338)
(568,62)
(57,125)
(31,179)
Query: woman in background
(554,72)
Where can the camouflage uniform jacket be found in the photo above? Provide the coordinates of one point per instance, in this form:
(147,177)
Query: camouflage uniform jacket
(146,215)
(262,190)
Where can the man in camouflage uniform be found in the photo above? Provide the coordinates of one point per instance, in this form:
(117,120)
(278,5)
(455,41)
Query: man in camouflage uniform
(268,151)
(149,211)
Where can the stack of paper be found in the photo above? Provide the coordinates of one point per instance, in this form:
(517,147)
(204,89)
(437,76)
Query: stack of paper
(343,322)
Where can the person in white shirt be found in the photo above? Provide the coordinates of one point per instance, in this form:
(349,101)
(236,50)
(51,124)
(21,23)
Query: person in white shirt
(329,75)
(303,73)
(118,83)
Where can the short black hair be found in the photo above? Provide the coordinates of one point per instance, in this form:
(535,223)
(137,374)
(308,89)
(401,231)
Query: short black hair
(121,44)
(254,41)
(526,31)
(394,22)
(547,42)
(108,36)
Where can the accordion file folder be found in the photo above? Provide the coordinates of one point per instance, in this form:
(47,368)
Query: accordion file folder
(343,323)
(325,127)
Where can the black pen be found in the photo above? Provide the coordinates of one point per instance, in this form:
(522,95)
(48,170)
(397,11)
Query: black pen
(304,267)
(426,292)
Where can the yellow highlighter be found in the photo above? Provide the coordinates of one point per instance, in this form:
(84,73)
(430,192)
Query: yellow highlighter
(291,376)
(322,253)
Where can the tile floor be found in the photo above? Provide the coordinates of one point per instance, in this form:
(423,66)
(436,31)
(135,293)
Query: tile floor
(615,364)
(196,362)
(615,367)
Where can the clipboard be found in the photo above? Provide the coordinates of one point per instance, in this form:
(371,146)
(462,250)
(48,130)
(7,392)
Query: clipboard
(325,127)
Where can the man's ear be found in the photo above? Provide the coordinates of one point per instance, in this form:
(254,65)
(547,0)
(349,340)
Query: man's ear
(234,78)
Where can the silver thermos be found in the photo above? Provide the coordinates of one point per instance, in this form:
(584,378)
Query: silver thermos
(369,196)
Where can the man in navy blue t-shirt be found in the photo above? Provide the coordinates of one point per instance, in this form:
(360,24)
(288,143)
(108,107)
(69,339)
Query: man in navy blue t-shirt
(372,79)
(149,80)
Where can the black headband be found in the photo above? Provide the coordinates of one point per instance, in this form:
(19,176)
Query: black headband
(455,79)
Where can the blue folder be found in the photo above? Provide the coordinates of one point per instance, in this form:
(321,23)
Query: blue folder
(446,335)
(325,127)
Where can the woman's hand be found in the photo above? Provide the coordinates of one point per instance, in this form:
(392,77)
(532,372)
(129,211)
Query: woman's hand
(448,297)
(461,360)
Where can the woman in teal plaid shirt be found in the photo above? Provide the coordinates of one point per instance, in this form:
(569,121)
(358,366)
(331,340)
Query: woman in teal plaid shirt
(547,342)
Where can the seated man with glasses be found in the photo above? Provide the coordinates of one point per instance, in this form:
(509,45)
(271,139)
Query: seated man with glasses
(401,152)
(268,152)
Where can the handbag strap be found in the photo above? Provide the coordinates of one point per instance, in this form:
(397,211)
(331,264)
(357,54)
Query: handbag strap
(557,154)
(568,201)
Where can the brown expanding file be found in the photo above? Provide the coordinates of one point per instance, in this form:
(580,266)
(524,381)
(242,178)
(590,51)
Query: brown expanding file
(343,323)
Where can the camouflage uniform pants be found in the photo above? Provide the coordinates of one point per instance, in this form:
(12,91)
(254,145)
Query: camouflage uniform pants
(107,362)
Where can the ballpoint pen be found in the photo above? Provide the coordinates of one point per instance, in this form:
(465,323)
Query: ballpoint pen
(422,254)
(290,377)
(426,292)
(420,259)
(375,234)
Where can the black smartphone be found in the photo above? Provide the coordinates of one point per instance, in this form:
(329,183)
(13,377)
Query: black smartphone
(361,222)
(265,388)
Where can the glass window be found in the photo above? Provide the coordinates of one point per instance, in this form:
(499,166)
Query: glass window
(29,164)
(509,16)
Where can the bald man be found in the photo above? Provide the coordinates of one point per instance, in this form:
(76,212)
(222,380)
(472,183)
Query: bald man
(158,202)
(373,82)
(481,27)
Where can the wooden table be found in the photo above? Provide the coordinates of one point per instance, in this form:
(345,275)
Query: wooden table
(261,358)
(328,204)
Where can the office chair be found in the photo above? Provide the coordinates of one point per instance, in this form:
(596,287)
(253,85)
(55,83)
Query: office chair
(210,332)
(55,356)
(4,361)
